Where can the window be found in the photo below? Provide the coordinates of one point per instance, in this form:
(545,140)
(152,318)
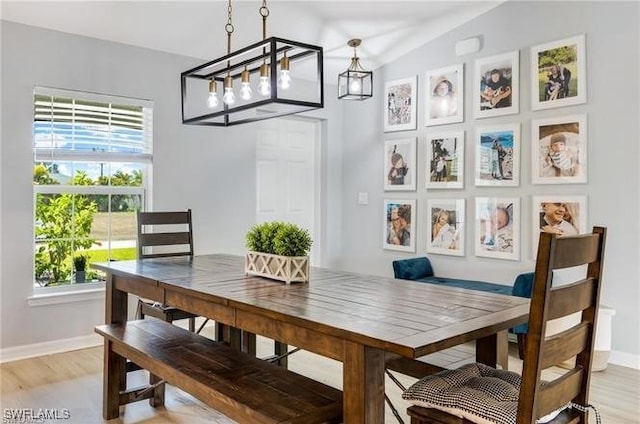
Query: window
(92,159)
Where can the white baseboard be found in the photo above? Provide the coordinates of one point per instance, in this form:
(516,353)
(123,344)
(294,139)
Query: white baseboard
(16,353)
(624,359)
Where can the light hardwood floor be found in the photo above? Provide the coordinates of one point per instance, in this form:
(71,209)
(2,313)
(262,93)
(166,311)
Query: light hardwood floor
(73,380)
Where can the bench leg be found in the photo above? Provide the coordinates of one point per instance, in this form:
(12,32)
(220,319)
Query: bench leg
(114,381)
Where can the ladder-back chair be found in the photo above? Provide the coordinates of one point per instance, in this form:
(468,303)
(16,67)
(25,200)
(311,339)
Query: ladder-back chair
(164,234)
(478,393)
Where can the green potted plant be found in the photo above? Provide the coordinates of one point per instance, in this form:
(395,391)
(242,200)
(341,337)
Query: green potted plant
(80,266)
(278,250)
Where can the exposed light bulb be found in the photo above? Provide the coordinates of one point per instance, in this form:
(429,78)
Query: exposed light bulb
(356,85)
(229,97)
(285,79)
(245,90)
(212,101)
(264,86)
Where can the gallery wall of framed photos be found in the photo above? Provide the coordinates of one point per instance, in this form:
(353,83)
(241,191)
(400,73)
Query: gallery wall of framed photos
(487,223)
(599,125)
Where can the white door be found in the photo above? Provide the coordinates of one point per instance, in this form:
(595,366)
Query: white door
(287,175)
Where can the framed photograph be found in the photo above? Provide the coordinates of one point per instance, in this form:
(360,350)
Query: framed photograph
(559,150)
(445,95)
(558,73)
(560,214)
(400,165)
(397,233)
(498,227)
(400,104)
(445,229)
(498,156)
(445,160)
(497,82)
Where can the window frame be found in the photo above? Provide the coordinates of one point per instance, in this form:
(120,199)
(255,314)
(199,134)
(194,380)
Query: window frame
(144,158)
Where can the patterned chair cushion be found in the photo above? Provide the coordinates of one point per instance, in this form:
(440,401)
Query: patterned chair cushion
(412,269)
(476,392)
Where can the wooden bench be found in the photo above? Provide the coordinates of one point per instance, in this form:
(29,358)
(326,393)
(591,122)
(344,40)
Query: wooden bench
(238,385)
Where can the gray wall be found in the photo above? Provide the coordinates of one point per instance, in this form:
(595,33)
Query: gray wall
(612,108)
(352,155)
(210,170)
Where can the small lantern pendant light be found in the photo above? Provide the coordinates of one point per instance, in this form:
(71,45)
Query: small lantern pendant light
(355,83)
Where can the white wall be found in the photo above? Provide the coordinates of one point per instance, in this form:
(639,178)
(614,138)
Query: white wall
(210,170)
(612,42)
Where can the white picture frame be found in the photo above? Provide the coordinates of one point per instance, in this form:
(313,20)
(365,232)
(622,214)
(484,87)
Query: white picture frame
(446,226)
(559,150)
(400,164)
(497,159)
(564,215)
(565,85)
(400,104)
(496,90)
(444,94)
(448,146)
(399,229)
(497,222)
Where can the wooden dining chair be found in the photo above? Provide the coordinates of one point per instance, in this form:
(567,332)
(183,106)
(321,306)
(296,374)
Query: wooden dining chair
(478,393)
(165,234)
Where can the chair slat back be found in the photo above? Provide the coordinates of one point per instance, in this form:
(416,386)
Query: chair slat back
(162,234)
(537,399)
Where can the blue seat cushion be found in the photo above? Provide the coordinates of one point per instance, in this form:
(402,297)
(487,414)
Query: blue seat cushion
(412,269)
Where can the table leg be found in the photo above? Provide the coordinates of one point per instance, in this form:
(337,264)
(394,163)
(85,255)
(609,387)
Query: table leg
(493,349)
(502,349)
(280,349)
(249,343)
(363,384)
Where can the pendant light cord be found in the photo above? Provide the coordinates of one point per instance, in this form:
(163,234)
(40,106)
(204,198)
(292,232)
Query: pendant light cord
(264,12)
(229,28)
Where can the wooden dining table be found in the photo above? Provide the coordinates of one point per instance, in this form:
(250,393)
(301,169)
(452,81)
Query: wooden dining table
(360,320)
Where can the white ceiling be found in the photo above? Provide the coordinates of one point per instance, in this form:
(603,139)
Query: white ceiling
(388,29)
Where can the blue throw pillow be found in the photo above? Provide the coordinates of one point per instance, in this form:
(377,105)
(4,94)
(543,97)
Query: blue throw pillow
(412,269)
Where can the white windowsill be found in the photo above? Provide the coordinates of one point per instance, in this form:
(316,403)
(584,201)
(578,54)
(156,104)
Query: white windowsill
(67,294)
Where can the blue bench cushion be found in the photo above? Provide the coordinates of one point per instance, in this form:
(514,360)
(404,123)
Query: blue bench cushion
(469,284)
(412,269)
(419,269)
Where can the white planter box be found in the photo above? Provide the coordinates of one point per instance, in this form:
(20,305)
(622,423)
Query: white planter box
(282,268)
